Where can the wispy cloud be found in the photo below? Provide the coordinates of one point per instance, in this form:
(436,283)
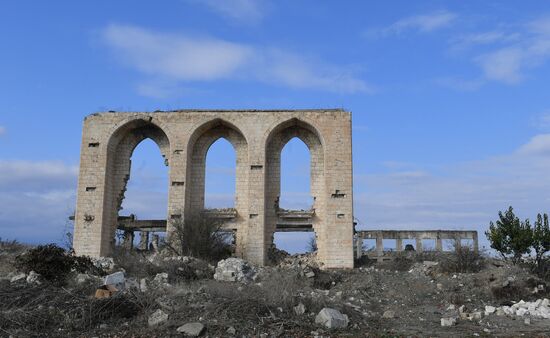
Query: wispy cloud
(176,56)
(542,121)
(484,38)
(2,130)
(509,63)
(179,58)
(423,23)
(243,11)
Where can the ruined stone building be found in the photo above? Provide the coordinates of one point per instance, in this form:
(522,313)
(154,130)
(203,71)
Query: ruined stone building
(184,138)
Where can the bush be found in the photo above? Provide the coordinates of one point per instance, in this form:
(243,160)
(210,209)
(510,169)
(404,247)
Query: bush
(509,236)
(541,242)
(53,263)
(464,259)
(199,236)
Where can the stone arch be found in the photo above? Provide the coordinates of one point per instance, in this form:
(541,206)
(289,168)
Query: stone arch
(119,149)
(199,144)
(275,141)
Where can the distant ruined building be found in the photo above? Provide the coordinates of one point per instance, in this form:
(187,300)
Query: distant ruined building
(184,137)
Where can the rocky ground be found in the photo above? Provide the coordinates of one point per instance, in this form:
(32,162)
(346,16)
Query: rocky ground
(177,296)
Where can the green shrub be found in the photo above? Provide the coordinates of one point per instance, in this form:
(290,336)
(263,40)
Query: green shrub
(509,236)
(53,263)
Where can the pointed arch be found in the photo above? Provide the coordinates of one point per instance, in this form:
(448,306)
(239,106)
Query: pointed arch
(119,150)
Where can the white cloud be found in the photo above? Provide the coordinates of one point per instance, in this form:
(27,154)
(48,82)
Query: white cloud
(246,11)
(538,145)
(460,195)
(484,38)
(182,58)
(174,56)
(423,23)
(36,199)
(508,64)
(2,130)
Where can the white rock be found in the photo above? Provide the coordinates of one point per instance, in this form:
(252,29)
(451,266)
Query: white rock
(522,312)
(388,314)
(234,270)
(104,263)
(33,278)
(116,279)
(191,329)
(161,278)
(331,318)
(143,285)
(158,317)
(451,321)
(489,309)
(300,309)
(18,277)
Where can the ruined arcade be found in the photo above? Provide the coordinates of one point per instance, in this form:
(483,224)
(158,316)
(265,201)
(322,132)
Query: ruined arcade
(258,137)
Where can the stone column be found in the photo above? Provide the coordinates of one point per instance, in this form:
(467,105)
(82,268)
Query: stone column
(419,245)
(358,248)
(144,240)
(438,244)
(399,245)
(128,240)
(155,242)
(379,245)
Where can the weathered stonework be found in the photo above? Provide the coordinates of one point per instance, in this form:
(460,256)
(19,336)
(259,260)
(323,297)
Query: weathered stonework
(184,138)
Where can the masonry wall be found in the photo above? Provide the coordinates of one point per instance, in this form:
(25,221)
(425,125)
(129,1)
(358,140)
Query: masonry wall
(184,137)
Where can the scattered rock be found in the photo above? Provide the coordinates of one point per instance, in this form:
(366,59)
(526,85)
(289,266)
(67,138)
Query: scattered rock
(116,279)
(33,278)
(18,277)
(489,310)
(161,278)
(332,318)
(388,314)
(158,317)
(234,270)
(231,330)
(143,285)
(450,321)
(300,309)
(191,329)
(104,263)
(527,321)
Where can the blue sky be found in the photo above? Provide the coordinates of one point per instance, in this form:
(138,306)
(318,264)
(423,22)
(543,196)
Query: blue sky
(450,100)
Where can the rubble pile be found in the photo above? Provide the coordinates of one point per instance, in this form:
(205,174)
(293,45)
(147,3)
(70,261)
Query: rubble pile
(234,270)
(537,309)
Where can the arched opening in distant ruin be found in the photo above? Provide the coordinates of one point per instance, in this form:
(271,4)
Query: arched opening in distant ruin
(295,194)
(146,195)
(120,149)
(292,228)
(221,162)
(231,213)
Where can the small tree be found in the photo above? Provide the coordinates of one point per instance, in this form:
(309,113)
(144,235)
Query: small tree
(541,239)
(509,236)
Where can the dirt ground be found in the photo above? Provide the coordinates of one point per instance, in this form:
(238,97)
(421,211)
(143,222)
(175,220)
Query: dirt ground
(402,298)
